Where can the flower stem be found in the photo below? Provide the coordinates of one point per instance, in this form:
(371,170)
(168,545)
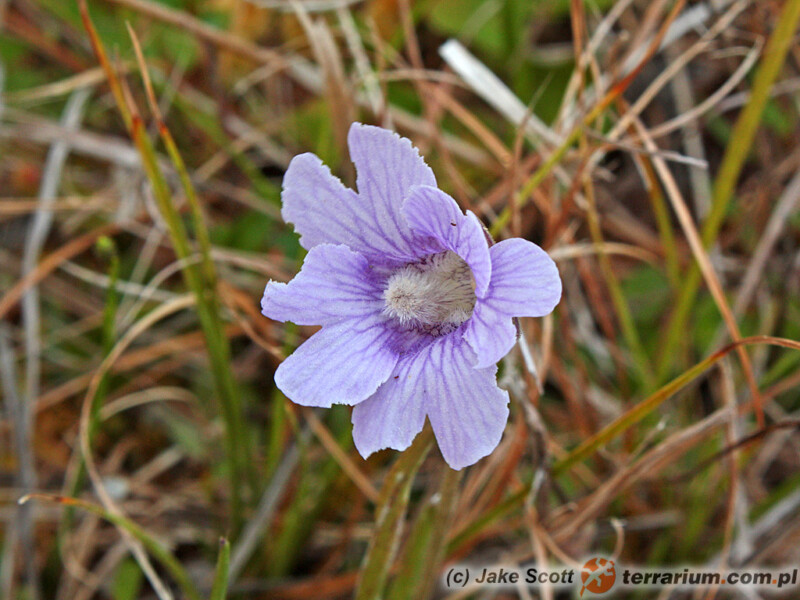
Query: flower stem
(389,517)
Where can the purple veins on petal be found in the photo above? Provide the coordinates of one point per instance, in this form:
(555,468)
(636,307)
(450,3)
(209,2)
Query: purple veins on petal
(334,283)
(525,283)
(323,211)
(370,221)
(469,413)
(416,308)
(467,410)
(387,167)
(343,363)
(525,280)
(490,334)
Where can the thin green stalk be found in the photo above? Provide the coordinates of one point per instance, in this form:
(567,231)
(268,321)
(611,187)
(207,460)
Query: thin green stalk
(426,545)
(663,222)
(636,414)
(298,521)
(275,436)
(201,281)
(219,591)
(211,324)
(536,179)
(539,175)
(209,124)
(389,516)
(105,246)
(732,162)
(629,332)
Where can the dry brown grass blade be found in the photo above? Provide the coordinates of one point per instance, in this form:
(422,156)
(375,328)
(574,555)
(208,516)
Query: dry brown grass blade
(98,483)
(704,262)
(620,86)
(56,51)
(470,121)
(347,464)
(253,325)
(89,77)
(733,497)
(645,98)
(647,466)
(24,206)
(733,447)
(338,92)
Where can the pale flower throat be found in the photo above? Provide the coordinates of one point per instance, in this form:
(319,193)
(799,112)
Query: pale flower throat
(435,295)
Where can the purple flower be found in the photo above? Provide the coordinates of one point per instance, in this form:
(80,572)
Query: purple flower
(416,308)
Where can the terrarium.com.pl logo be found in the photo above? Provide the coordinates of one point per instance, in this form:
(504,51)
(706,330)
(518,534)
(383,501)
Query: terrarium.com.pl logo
(599,575)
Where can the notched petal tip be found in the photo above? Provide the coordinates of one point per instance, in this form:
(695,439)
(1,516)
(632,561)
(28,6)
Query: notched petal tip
(323,210)
(313,200)
(333,284)
(367,447)
(267,300)
(386,141)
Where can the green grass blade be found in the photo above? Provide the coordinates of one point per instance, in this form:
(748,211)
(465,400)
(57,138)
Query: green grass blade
(201,281)
(106,247)
(220,587)
(426,545)
(735,155)
(390,514)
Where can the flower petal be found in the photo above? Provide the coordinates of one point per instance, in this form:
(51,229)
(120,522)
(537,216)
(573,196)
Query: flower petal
(387,167)
(324,211)
(467,410)
(343,363)
(335,283)
(395,414)
(490,334)
(525,280)
(432,213)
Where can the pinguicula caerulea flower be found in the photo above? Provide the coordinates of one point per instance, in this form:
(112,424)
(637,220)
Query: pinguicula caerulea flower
(416,307)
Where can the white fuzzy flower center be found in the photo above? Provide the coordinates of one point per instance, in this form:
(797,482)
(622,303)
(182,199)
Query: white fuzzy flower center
(436,294)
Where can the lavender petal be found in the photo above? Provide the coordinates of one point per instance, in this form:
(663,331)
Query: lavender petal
(323,211)
(388,167)
(334,283)
(525,280)
(466,408)
(433,214)
(343,363)
(490,334)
